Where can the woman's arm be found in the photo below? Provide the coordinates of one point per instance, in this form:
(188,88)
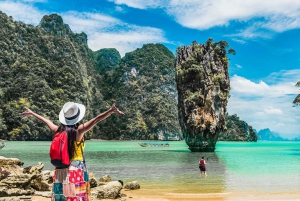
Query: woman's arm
(49,123)
(83,128)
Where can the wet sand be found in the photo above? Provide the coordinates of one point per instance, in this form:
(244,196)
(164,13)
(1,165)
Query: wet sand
(213,196)
(138,195)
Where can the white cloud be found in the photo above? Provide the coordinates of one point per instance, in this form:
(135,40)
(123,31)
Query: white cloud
(107,32)
(267,103)
(282,22)
(119,8)
(261,18)
(251,31)
(239,66)
(273,15)
(103,31)
(243,86)
(271,110)
(141,4)
(89,22)
(259,113)
(238,40)
(291,76)
(24,12)
(125,41)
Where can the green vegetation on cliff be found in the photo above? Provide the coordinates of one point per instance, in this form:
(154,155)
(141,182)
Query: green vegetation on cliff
(45,66)
(42,68)
(105,59)
(297,99)
(237,130)
(144,86)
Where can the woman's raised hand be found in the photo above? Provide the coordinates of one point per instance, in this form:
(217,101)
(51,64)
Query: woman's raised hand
(27,113)
(116,110)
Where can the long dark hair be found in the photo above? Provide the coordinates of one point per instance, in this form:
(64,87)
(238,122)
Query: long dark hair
(71,132)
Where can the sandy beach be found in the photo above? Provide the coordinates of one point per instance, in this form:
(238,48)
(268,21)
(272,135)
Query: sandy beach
(142,195)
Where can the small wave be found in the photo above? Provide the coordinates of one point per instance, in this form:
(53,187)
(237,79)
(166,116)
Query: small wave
(197,194)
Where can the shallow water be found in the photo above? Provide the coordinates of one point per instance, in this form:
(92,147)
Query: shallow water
(262,167)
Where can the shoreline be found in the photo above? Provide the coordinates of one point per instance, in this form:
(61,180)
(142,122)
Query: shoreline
(142,195)
(174,174)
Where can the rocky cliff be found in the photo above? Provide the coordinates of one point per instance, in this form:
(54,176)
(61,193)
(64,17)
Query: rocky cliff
(143,84)
(237,130)
(42,68)
(203,89)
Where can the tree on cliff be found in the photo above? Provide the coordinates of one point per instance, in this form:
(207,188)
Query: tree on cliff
(297,99)
(237,130)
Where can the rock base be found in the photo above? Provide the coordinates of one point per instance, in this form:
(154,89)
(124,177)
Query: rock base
(200,149)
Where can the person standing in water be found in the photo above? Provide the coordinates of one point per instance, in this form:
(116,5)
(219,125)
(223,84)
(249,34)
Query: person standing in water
(202,166)
(72,183)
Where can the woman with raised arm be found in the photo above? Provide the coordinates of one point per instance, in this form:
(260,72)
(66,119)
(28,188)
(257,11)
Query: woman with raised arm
(72,183)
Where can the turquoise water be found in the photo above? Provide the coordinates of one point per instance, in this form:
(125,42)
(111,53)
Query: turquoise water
(266,167)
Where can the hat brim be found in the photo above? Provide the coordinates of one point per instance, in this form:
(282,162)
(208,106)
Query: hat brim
(64,121)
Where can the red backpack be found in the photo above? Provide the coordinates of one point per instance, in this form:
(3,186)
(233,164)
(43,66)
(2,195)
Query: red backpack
(59,150)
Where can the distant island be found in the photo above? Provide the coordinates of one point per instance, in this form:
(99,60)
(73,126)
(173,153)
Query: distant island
(268,135)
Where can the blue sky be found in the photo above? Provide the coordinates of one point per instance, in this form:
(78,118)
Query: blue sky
(265,35)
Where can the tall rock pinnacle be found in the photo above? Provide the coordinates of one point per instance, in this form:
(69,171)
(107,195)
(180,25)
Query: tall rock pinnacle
(203,89)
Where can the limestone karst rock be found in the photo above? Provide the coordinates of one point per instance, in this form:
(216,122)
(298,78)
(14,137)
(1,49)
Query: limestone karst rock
(203,89)
(144,82)
(237,130)
(42,67)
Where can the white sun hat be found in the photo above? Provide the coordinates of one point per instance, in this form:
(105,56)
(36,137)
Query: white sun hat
(71,113)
